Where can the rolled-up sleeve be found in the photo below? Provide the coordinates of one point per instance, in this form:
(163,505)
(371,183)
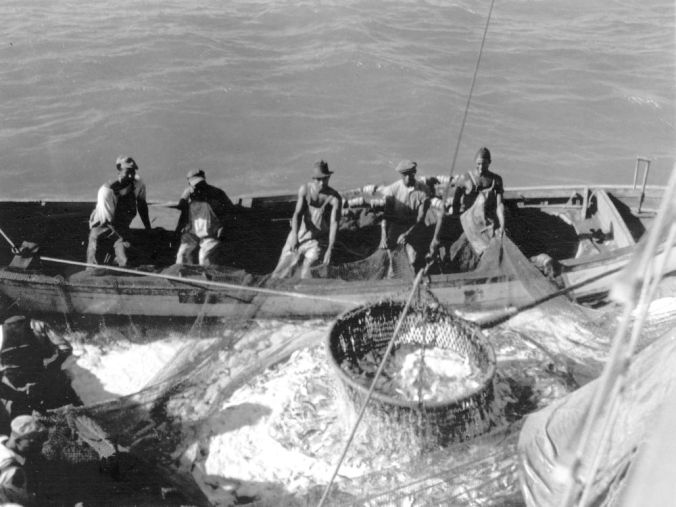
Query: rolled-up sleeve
(105,207)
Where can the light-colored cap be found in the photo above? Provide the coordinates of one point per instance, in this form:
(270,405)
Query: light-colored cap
(406,166)
(125,162)
(195,176)
(25,425)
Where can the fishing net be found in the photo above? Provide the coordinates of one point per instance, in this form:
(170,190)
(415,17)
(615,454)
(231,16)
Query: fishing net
(159,435)
(437,381)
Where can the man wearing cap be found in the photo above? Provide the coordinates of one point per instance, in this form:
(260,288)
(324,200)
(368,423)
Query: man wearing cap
(117,203)
(314,225)
(478,202)
(204,209)
(17,453)
(406,203)
(31,378)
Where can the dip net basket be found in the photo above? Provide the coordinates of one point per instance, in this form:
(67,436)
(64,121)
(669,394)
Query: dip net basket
(363,334)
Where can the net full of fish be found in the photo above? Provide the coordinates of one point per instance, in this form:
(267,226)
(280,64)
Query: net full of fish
(418,373)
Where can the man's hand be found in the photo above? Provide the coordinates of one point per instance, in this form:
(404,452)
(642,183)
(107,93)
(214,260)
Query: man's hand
(220,233)
(294,243)
(434,249)
(401,240)
(327,257)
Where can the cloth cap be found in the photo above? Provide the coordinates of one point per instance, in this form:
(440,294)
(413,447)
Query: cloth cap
(25,425)
(484,153)
(406,166)
(320,169)
(195,176)
(125,162)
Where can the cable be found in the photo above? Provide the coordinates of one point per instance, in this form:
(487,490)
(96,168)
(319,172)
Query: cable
(416,281)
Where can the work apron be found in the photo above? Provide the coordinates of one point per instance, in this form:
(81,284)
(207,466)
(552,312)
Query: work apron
(478,227)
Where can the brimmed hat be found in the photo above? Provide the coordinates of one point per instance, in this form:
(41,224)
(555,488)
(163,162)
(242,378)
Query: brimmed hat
(25,425)
(406,166)
(14,332)
(15,320)
(320,169)
(125,162)
(195,176)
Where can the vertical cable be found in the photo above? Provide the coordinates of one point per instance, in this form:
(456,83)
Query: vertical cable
(418,277)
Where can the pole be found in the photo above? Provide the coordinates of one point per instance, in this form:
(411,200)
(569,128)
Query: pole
(209,283)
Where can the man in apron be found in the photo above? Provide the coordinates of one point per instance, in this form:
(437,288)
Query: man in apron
(478,202)
(406,203)
(204,209)
(313,226)
(117,203)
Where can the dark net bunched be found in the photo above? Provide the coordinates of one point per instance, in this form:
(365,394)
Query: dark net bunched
(364,333)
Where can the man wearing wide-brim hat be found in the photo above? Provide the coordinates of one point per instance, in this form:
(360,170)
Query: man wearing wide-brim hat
(314,225)
(201,226)
(406,203)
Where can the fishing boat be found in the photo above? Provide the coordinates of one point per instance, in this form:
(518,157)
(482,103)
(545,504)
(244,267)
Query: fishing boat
(601,444)
(584,233)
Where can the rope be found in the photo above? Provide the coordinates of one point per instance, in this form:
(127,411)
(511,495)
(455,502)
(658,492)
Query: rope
(381,366)
(437,229)
(7,238)
(493,320)
(210,283)
(417,280)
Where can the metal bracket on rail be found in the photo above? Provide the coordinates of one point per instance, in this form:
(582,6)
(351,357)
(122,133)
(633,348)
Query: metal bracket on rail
(645,163)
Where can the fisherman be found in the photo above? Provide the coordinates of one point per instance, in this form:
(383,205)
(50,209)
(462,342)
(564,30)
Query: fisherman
(478,202)
(18,454)
(204,209)
(313,226)
(406,203)
(31,378)
(117,203)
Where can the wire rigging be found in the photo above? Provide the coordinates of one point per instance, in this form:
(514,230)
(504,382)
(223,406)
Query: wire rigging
(418,278)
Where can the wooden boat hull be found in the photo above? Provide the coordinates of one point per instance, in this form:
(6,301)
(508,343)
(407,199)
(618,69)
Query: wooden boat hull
(135,296)
(46,289)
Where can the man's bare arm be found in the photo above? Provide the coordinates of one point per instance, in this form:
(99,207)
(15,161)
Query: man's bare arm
(298,211)
(142,207)
(336,205)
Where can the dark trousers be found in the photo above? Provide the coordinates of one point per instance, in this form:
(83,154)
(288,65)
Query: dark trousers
(103,239)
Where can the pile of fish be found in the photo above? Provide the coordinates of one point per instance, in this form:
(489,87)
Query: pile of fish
(418,373)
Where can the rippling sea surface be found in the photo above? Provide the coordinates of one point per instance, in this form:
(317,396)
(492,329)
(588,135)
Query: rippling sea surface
(254,91)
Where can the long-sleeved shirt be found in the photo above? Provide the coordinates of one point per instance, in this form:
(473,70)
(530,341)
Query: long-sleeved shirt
(204,210)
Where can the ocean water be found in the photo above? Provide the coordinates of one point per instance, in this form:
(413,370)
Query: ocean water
(253,92)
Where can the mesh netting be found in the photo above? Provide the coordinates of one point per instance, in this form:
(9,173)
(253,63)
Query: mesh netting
(366,331)
(157,435)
